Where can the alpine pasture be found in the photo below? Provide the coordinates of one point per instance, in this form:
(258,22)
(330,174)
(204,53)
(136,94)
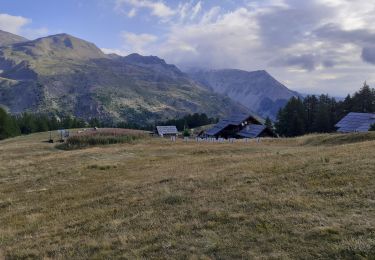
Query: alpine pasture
(151,198)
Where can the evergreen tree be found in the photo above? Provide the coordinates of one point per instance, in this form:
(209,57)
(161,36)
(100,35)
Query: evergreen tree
(41,123)
(8,126)
(291,120)
(53,123)
(311,105)
(322,122)
(363,101)
(268,123)
(27,123)
(94,122)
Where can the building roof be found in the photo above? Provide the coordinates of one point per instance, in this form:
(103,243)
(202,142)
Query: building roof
(234,119)
(217,128)
(167,130)
(356,122)
(252,131)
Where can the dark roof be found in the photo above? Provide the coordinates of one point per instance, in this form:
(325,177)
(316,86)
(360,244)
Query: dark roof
(252,131)
(356,122)
(237,119)
(167,130)
(234,119)
(217,128)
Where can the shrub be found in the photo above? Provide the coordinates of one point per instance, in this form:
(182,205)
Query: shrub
(372,127)
(186,133)
(83,141)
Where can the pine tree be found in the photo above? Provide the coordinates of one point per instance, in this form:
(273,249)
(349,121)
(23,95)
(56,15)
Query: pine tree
(291,120)
(27,123)
(94,122)
(8,125)
(311,104)
(363,101)
(268,123)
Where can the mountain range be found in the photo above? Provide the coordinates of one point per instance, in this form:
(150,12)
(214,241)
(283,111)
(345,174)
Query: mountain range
(62,74)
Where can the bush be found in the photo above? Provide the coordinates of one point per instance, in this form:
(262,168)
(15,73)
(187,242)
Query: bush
(372,127)
(186,132)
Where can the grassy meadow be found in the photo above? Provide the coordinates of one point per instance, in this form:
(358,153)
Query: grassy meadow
(305,198)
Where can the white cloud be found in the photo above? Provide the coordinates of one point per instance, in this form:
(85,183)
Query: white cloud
(134,43)
(196,10)
(216,41)
(115,51)
(312,44)
(33,33)
(189,10)
(13,24)
(132,13)
(21,26)
(157,8)
(138,42)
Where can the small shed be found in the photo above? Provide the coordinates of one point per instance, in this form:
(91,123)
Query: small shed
(167,131)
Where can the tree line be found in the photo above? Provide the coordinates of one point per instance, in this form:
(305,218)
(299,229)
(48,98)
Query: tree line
(319,114)
(312,114)
(27,123)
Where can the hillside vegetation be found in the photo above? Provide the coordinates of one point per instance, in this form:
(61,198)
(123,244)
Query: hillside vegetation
(287,198)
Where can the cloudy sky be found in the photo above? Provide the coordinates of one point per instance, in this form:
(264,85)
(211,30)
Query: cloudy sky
(313,46)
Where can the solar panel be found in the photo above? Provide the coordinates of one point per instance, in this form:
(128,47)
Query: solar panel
(217,128)
(237,119)
(252,131)
(167,130)
(356,122)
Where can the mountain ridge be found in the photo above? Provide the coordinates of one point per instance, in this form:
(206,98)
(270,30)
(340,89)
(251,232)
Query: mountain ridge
(7,38)
(62,74)
(257,90)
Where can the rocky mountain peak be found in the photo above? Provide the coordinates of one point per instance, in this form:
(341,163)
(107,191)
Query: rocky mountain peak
(59,46)
(7,38)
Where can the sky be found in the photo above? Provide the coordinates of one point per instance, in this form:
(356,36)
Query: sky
(312,46)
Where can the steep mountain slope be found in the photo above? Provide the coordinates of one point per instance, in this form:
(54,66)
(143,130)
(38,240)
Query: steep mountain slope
(257,90)
(62,74)
(9,38)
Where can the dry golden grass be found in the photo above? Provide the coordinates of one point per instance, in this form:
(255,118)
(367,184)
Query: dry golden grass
(280,199)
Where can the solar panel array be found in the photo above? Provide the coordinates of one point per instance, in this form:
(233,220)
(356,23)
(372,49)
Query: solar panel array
(356,122)
(167,130)
(252,131)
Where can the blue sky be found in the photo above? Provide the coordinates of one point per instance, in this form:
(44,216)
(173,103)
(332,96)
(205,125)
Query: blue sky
(313,46)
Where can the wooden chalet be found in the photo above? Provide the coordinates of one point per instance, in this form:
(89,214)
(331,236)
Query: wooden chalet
(240,126)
